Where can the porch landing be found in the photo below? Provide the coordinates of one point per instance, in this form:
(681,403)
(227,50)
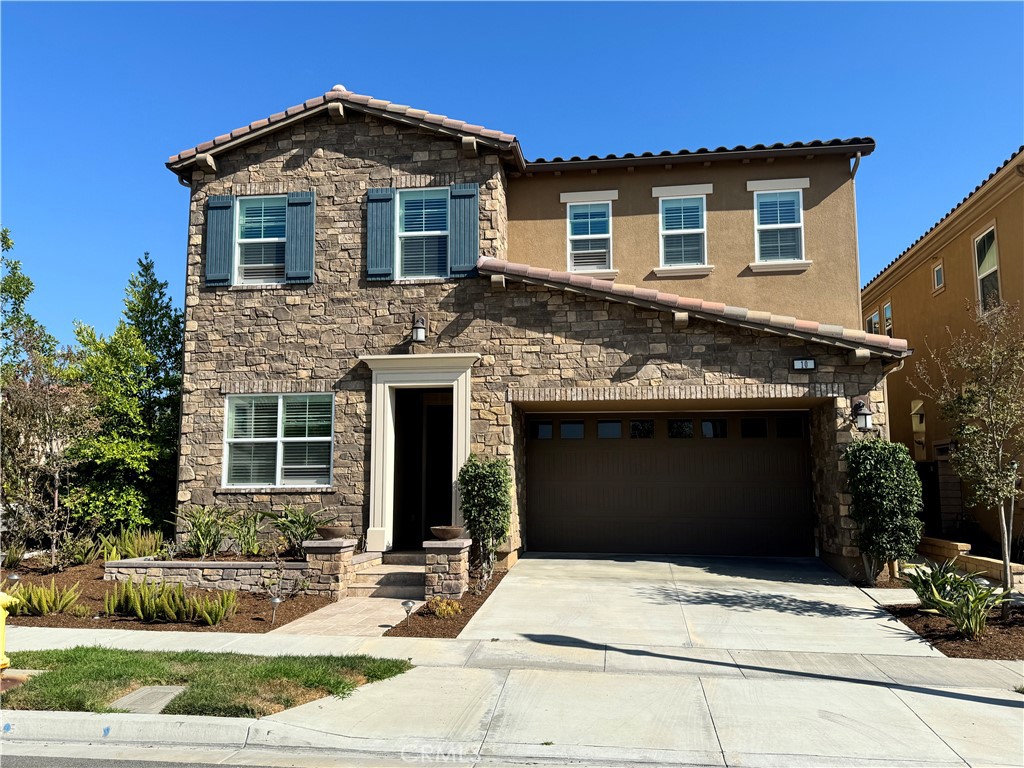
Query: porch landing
(350,616)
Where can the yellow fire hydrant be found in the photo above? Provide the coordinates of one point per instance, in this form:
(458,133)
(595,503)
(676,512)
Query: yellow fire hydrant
(5,602)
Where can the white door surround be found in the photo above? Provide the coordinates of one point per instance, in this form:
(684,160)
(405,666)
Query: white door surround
(391,372)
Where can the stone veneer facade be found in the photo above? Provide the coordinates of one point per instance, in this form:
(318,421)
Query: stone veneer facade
(536,344)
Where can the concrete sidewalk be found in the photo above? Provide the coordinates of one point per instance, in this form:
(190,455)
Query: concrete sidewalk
(480,702)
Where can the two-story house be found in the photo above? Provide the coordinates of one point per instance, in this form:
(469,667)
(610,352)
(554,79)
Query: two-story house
(972,256)
(665,346)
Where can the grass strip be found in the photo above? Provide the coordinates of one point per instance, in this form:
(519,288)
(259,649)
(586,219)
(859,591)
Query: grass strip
(88,679)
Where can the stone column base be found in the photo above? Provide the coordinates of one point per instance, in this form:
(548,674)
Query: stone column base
(447,568)
(329,566)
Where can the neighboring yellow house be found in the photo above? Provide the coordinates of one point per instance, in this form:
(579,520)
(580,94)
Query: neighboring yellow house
(973,254)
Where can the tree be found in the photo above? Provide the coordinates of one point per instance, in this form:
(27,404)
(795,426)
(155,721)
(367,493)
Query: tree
(977,381)
(46,416)
(20,332)
(160,326)
(116,460)
(886,502)
(485,499)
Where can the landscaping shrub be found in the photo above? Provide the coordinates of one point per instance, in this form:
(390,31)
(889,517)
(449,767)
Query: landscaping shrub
(13,555)
(485,499)
(443,607)
(296,525)
(886,493)
(83,551)
(244,529)
(42,600)
(969,606)
(160,601)
(204,531)
(942,580)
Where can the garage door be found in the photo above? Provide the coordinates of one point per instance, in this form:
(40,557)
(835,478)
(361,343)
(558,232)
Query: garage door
(692,484)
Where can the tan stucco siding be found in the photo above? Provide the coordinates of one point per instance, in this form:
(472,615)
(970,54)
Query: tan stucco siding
(827,291)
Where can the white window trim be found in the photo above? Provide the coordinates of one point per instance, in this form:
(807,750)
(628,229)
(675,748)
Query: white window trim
(936,268)
(877,318)
(399,275)
(662,232)
(279,440)
(887,331)
(236,255)
(758,228)
(609,270)
(990,227)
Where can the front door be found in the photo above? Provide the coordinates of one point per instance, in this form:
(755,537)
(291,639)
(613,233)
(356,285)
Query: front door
(423,464)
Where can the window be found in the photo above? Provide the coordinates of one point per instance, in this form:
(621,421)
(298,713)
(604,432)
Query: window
(422,233)
(871,323)
(682,231)
(260,240)
(938,277)
(279,440)
(542,430)
(713,428)
(779,225)
(590,244)
(609,430)
(986,253)
(887,319)
(789,426)
(641,429)
(754,427)
(571,430)
(680,428)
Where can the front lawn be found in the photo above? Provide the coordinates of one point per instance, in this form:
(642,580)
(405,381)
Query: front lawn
(88,679)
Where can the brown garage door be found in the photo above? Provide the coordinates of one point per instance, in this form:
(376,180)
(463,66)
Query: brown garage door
(700,484)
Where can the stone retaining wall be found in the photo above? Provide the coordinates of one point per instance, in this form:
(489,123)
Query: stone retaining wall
(325,572)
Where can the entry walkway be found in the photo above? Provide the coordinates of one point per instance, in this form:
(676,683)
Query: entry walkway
(755,604)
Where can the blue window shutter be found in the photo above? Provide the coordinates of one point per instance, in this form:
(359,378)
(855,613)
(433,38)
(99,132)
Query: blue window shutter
(380,234)
(220,240)
(300,237)
(464,229)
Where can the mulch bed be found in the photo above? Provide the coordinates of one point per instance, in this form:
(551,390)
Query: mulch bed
(253,614)
(1002,639)
(424,624)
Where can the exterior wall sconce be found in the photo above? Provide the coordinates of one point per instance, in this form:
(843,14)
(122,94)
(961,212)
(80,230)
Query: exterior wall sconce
(419,328)
(861,415)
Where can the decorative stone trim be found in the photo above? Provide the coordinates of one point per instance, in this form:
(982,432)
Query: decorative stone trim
(696,392)
(447,568)
(327,571)
(276,490)
(278,387)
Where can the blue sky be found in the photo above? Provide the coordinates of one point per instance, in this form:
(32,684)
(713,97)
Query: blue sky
(96,96)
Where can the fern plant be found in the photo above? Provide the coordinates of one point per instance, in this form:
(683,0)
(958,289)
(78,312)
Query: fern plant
(160,601)
(43,600)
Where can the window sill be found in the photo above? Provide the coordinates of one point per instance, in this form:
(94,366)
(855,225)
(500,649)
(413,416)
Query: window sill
(419,280)
(250,490)
(937,291)
(260,286)
(687,270)
(601,274)
(779,266)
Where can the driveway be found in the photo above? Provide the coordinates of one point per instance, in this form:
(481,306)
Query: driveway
(757,604)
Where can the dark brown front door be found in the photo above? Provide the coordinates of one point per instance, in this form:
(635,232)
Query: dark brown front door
(687,483)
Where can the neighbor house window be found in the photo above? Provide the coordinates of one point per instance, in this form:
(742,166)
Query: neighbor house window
(422,233)
(279,440)
(779,224)
(682,231)
(938,277)
(986,253)
(871,324)
(260,239)
(887,319)
(590,243)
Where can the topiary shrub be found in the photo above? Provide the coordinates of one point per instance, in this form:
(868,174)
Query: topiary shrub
(485,499)
(886,493)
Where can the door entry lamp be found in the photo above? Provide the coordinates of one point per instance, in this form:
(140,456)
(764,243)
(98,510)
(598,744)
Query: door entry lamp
(861,415)
(419,328)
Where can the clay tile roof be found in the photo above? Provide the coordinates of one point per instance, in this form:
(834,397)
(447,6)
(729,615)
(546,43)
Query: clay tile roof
(706,310)
(949,213)
(364,103)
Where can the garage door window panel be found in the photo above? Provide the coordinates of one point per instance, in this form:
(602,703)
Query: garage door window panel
(714,429)
(571,430)
(641,429)
(680,428)
(754,428)
(609,430)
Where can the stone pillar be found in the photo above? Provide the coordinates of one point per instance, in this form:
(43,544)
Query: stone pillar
(447,568)
(329,566)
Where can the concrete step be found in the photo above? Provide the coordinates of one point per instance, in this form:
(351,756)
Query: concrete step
(391,576)
(376,590)
(404,558)
(366,560)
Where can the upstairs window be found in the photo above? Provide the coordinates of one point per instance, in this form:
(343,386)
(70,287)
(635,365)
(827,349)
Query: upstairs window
(423,232)
(260,240)
(779,225)
(279,440)
(590,243)
(986,254)
(871,324)
(887,319)
(682,231)
(938,277)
